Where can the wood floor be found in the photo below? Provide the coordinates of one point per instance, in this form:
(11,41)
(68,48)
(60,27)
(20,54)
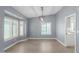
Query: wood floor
(39,46)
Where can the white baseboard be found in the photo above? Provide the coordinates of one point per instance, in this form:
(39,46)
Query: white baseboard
(32,38)
(61,43)
(14,44)
(41,38)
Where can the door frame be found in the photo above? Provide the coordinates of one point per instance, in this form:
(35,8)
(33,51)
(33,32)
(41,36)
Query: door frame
(74,14)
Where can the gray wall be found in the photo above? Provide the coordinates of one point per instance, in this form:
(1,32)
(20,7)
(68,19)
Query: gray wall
(35,27)
(4,44)
(77,41)
(1,30)
(60,21)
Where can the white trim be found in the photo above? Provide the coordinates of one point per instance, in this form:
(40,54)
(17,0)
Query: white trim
(41,38)
(14,44)
(61,43)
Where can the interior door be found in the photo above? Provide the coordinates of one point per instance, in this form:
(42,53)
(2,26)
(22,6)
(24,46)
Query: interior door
(70,30)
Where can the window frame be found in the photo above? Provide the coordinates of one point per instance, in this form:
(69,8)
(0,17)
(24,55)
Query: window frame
(44,28)
(20,27)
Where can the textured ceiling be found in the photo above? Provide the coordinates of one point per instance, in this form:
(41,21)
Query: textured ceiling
(35,11)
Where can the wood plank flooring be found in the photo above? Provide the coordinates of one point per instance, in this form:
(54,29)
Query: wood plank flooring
(39,46)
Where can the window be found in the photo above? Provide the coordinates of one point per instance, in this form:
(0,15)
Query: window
(10,28)
(21,28)
(15,28)
(7,28)
(72,24)
(46,28)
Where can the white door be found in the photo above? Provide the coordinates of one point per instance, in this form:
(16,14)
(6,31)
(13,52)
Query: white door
(70,30)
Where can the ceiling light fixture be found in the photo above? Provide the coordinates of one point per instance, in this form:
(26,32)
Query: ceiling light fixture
(42,17)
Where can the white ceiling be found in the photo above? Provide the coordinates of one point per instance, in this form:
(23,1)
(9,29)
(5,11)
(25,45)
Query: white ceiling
(35,11)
